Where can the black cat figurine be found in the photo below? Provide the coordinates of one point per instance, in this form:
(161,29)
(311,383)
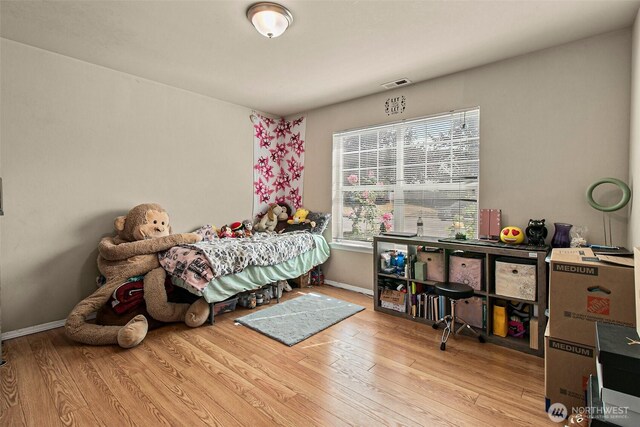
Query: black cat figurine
(536,232)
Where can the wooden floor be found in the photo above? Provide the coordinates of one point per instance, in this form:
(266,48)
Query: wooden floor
(371,369)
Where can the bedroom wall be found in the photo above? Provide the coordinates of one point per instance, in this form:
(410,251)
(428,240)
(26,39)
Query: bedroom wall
(82,144)
(634,147)
(551,123)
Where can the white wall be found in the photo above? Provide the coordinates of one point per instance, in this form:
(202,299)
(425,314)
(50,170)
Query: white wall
(82,144)
(634,147)
(551,123)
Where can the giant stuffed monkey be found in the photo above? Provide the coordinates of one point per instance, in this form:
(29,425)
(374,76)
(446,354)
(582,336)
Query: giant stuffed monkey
(140,235)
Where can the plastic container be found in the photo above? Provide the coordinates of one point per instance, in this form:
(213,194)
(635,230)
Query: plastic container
(225,306)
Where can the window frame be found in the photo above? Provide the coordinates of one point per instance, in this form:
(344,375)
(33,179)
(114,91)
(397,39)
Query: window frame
(398,187)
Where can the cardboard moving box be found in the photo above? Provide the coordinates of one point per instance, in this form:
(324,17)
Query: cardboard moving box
(567,367)
(583,290)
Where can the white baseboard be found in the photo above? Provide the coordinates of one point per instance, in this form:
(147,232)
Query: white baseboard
(349,287)
(37,328)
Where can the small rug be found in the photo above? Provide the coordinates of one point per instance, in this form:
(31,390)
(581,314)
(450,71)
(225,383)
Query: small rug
(297,319)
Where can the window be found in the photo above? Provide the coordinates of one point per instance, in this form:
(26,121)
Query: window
(385,177)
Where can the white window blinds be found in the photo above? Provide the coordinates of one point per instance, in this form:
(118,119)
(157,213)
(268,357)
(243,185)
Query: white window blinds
(387,176)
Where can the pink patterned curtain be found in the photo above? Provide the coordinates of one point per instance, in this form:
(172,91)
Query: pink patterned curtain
(278,156)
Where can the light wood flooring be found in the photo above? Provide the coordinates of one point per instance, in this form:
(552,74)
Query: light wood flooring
(368,370)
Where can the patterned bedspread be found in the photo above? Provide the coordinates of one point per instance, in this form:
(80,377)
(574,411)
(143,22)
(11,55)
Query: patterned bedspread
(199,263)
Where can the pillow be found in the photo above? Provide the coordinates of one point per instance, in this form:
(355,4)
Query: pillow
(288,228)
(321,220)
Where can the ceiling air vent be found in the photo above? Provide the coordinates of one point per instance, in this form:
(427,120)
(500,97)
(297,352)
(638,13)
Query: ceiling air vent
(396,83)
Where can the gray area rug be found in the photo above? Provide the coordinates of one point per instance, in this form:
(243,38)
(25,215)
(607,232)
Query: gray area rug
(297,319)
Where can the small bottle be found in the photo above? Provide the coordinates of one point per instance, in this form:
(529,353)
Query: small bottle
(420,228)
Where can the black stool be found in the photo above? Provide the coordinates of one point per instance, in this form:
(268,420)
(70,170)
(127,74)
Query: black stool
(455,292)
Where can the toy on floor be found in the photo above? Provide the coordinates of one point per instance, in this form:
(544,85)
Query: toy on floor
(140,235)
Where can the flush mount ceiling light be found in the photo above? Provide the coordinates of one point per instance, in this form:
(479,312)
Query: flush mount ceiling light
(270,19)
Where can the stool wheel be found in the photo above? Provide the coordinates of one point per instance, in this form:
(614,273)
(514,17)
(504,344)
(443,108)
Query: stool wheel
(434,325)
(481,339)
(443,346)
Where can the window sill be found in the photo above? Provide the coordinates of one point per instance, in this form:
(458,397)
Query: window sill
(351,248)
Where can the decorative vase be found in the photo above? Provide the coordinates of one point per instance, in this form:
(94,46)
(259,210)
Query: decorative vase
(561,236)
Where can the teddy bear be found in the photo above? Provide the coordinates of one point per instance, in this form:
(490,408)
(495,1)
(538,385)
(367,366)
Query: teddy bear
(300,217)
(269,220)
(140,235)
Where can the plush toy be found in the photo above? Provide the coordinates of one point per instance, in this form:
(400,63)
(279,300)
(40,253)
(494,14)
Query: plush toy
(141,234)
(269,221)
(225,231)
(300,217)
(536,232)
(283,218)
(248,227)
(237,229)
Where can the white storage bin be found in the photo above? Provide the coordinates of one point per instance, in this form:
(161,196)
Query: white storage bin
(516,278)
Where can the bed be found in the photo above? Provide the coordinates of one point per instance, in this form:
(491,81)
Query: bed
(218,269)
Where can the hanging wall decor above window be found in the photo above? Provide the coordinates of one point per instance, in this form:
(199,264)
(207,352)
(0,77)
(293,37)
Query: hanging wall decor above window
(395,105)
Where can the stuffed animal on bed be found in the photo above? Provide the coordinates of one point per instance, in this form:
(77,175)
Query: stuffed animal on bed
(140,235)
(237,228)
(300,217)
(225,231)
(269,220)
(248,227)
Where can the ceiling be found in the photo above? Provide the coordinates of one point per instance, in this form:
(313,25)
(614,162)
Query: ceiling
(334,51)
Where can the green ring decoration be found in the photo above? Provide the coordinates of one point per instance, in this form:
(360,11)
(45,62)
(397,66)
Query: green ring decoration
(626,195)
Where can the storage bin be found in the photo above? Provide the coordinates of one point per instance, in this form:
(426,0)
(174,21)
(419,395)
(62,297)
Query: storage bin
(394,300)
(301,281)
(225,306)
(473,310)
(435,264)
(467,270)
(516,278)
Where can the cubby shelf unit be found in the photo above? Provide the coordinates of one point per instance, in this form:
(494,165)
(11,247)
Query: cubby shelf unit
(489,254)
